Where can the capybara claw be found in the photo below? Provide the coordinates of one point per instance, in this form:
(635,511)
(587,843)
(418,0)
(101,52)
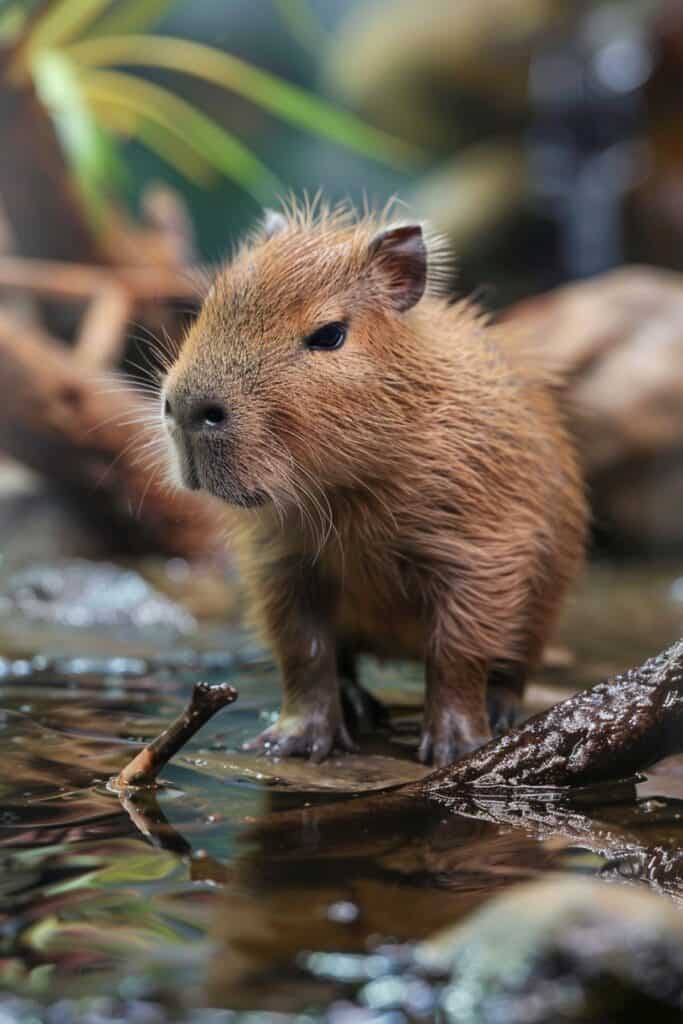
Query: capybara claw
(313,736)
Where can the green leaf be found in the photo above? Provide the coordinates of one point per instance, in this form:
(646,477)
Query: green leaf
(288,101)
(128,123)
(42,933)
(187,125)
(132,16)
(89,150)
(62,22)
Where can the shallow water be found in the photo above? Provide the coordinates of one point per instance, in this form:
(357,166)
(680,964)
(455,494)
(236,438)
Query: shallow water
(216,890)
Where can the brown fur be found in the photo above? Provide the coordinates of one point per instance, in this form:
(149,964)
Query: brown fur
(413,493)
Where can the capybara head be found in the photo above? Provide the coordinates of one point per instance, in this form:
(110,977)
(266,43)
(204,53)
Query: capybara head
(298,367)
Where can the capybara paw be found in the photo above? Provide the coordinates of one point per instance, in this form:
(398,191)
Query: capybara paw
(314,736)
(444,740)
(504,709)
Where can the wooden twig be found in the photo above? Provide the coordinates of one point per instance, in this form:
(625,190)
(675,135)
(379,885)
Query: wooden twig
(114,296)
(206,700)
(102,330)
(79,281)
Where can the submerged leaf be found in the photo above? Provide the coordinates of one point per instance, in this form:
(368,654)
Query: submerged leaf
(136,868)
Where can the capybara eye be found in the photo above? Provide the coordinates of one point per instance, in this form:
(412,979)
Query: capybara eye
(329,337)
(213,415)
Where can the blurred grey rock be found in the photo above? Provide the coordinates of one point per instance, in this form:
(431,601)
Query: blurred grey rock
(619,338)
(567,950)
(86,595)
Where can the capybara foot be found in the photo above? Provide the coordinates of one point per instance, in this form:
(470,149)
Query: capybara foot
(447,736)
(313,734)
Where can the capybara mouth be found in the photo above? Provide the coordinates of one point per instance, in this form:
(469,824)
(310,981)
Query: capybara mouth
(199,474)
(221,482)
(231,491)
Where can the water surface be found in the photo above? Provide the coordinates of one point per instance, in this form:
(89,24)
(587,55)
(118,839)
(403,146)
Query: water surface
(215,890)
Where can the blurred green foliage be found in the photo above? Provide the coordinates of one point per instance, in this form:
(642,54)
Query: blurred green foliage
(80,55)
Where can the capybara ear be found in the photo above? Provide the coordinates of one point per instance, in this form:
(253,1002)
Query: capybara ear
(272,223)
(400,254)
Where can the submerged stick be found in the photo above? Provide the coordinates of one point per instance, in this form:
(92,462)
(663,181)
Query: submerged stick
(206,700)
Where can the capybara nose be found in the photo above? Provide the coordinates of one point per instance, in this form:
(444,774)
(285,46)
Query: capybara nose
(195,414)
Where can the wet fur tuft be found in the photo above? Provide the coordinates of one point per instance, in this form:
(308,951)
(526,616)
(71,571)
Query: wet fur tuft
(324,224)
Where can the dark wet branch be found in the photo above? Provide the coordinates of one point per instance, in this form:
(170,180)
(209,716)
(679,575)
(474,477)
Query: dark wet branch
(206,700)
(611,731)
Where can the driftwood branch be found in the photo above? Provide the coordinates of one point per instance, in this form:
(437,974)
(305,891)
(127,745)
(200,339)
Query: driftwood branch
(610,732)
(77,281)
(103,327)
(88,438)
(205,702)
(113,296)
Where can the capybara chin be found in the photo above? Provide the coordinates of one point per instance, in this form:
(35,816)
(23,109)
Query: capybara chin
(400,476)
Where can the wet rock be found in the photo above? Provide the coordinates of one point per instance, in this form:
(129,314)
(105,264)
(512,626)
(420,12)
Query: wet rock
(92,1010)
(86,595)
(561,951)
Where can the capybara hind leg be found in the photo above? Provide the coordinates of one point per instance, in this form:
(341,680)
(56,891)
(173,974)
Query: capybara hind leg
(504,697)
(507,682)
(362,710)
